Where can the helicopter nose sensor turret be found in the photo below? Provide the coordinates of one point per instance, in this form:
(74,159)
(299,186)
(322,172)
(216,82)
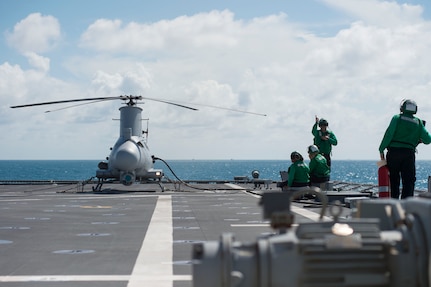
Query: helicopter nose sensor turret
(128,178)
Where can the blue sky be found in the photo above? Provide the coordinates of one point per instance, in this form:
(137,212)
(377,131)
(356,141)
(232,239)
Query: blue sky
(350,61)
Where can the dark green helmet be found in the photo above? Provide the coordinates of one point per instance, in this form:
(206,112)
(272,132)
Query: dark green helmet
(323,122)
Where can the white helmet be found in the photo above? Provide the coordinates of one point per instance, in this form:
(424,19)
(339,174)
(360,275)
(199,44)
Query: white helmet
(313,149)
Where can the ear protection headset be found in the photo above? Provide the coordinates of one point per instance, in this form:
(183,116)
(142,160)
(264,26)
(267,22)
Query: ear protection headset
(408,106)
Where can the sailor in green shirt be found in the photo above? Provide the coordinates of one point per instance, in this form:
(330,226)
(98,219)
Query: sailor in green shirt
(324,138)
(298,171)
(319,169)
(401,138)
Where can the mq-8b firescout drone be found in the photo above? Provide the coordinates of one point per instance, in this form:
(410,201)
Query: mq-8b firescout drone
(130,159)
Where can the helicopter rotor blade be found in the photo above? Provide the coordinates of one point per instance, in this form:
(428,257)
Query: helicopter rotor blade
(205,105)
(94,100)
(233,110)
(132,100)
(171,103)
(67,101)
(73,106)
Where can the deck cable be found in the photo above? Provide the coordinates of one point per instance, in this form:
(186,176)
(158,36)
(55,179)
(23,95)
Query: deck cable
(191,186)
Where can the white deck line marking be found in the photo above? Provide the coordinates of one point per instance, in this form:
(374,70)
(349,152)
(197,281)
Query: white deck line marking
(153,265)
(309,214)
(63,278)
(81,278)
(256,225)
(234,186)
(251,225)
(301,211)
(51,197)
(150,268)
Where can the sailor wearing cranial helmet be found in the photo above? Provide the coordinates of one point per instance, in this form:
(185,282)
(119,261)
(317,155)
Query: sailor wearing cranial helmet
(401,138)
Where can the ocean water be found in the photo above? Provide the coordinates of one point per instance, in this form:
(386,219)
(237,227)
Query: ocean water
(362,171)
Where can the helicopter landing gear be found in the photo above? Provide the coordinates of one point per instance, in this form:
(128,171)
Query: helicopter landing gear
(98,187)
(161,186)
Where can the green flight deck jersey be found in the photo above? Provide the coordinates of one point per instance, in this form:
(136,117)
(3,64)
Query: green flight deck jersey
(298,173)
(325,146)
(405,131)
(319,167)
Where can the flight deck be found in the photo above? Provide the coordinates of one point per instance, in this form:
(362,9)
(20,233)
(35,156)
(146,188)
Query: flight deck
(60,235)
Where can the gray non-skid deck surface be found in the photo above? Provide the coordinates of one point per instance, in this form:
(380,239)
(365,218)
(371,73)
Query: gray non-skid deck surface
(116,238)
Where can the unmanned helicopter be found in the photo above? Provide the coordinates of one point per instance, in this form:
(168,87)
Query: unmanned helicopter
(130,159)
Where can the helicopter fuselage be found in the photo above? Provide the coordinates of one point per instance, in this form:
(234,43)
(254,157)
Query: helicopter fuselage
(130,158)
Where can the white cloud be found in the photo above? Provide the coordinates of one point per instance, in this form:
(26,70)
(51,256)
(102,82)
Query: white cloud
(355,79)
(38,62)
(198,31)
(35,33)
(380,13)
(103,81)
